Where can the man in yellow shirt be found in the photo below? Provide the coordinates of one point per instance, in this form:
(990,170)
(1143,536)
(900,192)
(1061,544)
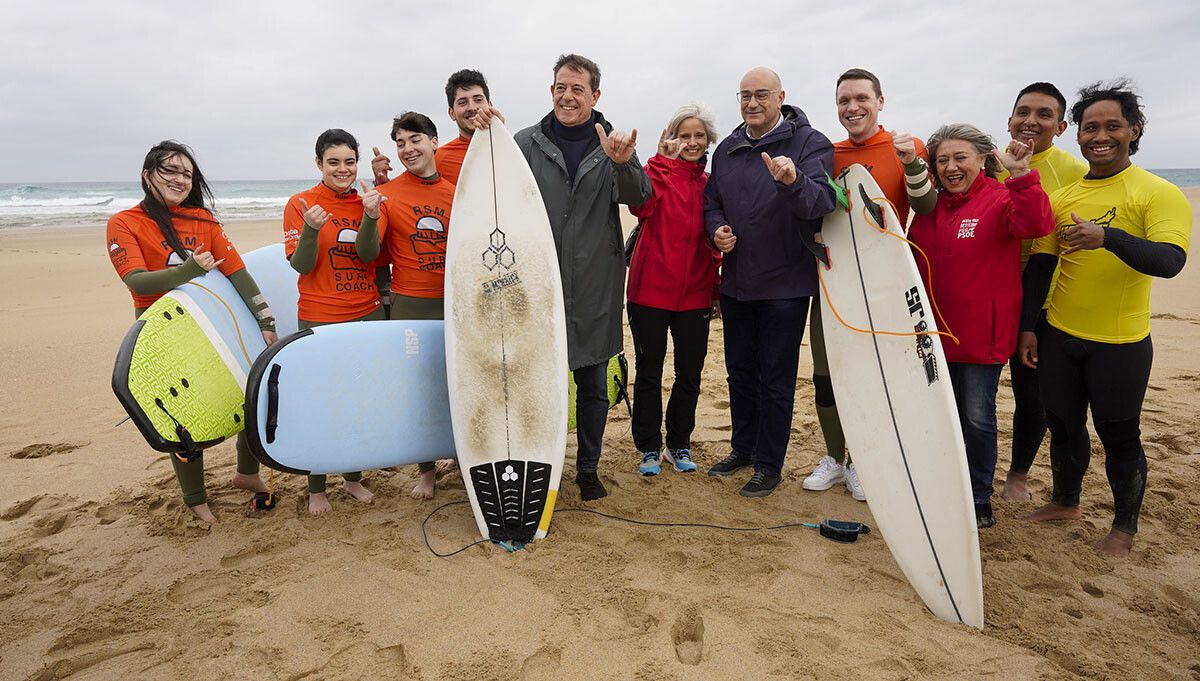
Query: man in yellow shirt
(1117,228)
(1038,117)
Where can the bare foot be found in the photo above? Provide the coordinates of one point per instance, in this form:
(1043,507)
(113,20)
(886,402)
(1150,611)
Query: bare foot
(250,483)
(425,486)
(318,503)
(356,490)
(444,466)
(204,513)
(1016,487)
(1117,544)
(1055,512)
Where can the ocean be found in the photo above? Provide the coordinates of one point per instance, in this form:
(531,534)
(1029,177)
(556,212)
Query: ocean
(87,203)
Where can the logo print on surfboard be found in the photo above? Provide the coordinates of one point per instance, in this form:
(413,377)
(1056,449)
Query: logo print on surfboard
(498,253)
(912,298)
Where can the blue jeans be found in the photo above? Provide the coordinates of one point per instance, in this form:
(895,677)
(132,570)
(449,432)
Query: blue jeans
(762,354)
(975,394)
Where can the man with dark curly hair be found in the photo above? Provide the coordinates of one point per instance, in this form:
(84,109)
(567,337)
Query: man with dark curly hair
(1116,229)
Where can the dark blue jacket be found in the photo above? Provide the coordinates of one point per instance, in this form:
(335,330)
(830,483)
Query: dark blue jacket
(772,221)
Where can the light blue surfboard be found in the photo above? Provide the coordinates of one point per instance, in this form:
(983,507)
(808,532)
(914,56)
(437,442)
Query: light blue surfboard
(351,397)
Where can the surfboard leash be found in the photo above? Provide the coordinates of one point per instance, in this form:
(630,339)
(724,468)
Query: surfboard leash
(841,531)
(932,298)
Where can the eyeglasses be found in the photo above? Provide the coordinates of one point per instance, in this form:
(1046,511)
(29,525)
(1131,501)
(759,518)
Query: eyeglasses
(759,96)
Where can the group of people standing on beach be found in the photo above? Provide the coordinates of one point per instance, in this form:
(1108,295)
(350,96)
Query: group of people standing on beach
(1035,258)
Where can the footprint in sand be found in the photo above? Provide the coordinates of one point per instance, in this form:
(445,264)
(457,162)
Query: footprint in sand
(542,665)
(1092,590)
(1169,496)
(1182,598)
(688,636)
(51,525)
(111,513)
(43,449)
(208,588)
(21,507)
(362,660)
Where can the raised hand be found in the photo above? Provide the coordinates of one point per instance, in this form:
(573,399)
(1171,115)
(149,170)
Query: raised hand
(482,120)
(618,145)
(371,199)
(724,239)
(314,217)
(1082,236)
(782,168)
(381,165)
(205,259)
(669,148)
(1015,157)
(906,147)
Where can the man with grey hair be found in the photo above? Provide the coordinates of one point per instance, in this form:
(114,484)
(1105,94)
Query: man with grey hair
(763,205)
(585,169)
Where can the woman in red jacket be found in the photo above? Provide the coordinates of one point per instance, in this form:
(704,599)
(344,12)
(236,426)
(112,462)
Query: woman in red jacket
(973,242)
(672,283)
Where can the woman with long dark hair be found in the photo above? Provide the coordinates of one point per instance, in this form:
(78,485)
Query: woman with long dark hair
(171,237)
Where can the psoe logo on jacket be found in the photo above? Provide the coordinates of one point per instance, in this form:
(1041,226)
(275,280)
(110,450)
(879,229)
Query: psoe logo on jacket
(966,228)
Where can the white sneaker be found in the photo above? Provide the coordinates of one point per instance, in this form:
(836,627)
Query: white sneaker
(827,473)
(852,483)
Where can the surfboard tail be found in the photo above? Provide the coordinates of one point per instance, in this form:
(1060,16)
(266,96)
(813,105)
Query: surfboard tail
(513,496)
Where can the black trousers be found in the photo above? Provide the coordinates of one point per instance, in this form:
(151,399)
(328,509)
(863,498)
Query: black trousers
(591,414)
(1029,415)
(1111,379)
(689,335)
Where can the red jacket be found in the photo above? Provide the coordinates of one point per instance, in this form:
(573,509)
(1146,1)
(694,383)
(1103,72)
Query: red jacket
(973,241)
(674,267)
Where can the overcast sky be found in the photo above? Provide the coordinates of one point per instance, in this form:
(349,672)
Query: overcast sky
(86,88)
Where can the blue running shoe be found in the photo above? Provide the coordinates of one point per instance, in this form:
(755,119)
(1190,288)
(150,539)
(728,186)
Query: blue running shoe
(650,463)
(682,458)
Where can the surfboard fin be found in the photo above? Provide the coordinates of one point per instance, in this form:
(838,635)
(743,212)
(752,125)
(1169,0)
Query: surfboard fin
(873,208)
(840,193)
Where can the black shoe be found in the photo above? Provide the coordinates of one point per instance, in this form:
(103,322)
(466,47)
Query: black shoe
(983,515)
(590,487)
(731,464)
(761,484)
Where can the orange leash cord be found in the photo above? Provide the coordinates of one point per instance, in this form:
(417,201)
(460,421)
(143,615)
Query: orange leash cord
(824,289)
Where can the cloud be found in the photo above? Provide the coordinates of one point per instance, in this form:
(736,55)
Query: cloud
(250,85)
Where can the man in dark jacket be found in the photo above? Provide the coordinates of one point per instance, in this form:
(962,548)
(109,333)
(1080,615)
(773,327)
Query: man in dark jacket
(584,169)
(763,204)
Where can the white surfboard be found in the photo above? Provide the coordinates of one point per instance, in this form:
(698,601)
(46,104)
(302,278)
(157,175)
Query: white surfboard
(506,341)
(896,405)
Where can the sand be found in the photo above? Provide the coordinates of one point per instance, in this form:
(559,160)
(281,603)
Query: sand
(104,574)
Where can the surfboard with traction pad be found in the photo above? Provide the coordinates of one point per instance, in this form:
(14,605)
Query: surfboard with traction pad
(506,341)
(181,369)
(895,401)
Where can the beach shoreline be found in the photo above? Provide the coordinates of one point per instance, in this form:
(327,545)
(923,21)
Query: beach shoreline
(104,573)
